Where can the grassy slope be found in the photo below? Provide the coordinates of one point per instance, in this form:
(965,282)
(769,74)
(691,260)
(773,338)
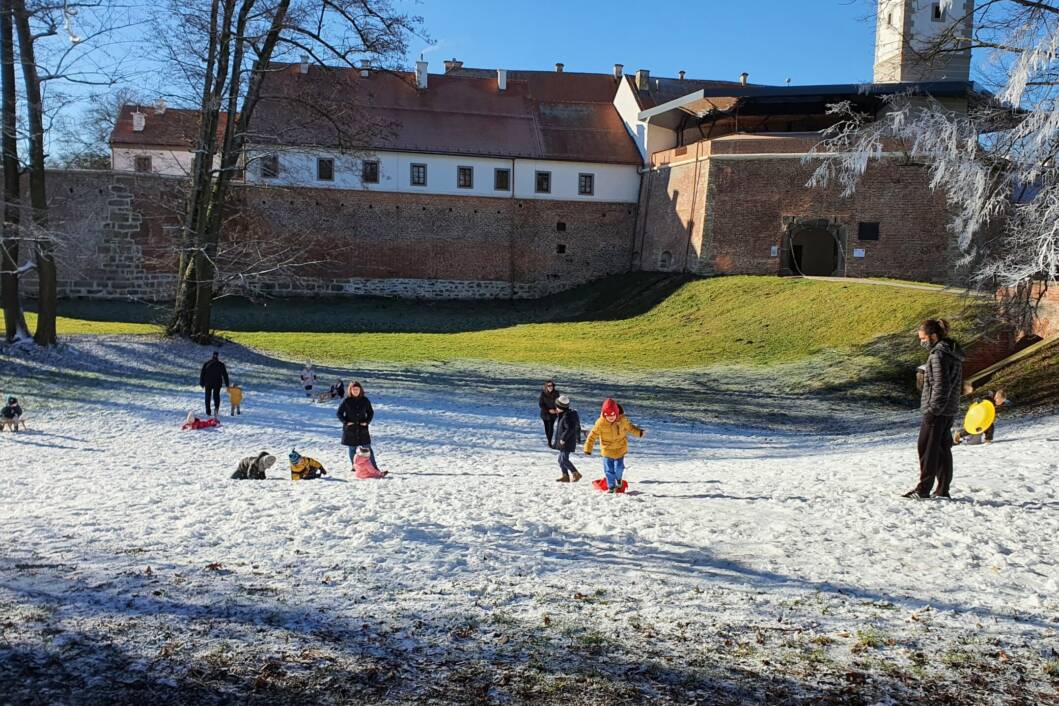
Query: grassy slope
(1031,383)
(730,320)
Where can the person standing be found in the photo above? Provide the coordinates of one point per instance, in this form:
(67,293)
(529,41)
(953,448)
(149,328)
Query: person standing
(939,403)
(612,429)
(308,379)
(567,436)
(356,414)
(214,375)
(549,412)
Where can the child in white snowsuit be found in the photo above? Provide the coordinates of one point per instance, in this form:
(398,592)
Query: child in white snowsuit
(308,378)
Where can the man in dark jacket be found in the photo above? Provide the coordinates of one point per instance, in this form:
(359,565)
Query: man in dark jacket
(254,467)
(213,374)
(549,411)
(356,414)
(939,403)
(567,438)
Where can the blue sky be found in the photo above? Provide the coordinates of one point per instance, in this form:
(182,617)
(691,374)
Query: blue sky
(808,41)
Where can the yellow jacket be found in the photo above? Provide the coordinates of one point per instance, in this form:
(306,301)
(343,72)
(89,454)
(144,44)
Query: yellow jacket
(305,469)
(612,436)
(235,395)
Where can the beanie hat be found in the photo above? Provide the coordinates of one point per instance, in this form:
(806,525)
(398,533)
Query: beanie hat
(610,407)
(563,402)
(364,451)
(12,400)
(294,456)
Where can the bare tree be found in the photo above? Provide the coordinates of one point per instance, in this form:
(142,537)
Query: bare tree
(14,320)
(996,163)
(241,41)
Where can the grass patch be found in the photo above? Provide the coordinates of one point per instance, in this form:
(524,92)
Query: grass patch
(1033,382)
(633,322)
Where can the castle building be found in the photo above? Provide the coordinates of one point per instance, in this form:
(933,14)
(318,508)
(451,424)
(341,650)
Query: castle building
(494,182)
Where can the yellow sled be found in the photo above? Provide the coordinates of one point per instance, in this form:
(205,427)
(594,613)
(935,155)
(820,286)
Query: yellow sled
(979,417)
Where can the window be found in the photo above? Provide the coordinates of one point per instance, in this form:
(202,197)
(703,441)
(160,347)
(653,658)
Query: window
(465,177)
(867,231)
(142,164)
(560,248)
(269,166)
(543,183)
(665,260)
(325,169)
(586,184)
(889,19)
(419,175)
(369,171)
(936,13)
(560,227)
(502,180)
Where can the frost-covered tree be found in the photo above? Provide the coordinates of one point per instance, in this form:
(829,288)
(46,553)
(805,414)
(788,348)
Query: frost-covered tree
(996,163)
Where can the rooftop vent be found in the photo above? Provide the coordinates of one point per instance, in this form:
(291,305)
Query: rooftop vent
(501,79)
(139,121)
(421,75)
(159,107)
(365,68)
(559,67)
(680,74)
(619,70)
(303,67)
(642,78)
(743,78)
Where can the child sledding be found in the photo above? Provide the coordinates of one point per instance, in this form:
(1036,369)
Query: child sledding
(191,422)
(612,429)
(304,467)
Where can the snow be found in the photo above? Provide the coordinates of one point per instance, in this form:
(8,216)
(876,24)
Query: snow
(746,562)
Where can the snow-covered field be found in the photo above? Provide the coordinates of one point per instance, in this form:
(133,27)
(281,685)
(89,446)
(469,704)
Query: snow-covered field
(747,565)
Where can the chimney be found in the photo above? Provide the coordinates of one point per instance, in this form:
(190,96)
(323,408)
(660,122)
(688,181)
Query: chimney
(642,78)
(559,67)
(139,121)
(743,78)
(501,79)
(159,107)
(619,71)
(303,67)
(681,74)
(365,68)
(452,64)
(421,75)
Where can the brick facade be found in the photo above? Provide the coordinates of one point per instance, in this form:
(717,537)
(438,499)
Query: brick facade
(123,236)
(723,206)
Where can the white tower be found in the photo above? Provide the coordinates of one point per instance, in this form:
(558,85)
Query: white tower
(906,31)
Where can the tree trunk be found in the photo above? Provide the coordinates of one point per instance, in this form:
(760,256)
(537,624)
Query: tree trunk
(14,320)
(44,250)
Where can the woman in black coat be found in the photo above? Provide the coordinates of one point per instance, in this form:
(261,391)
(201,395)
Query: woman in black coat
(356,413)
(548,409)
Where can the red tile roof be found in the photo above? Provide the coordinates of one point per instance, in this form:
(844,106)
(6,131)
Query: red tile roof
(541,115)
(176,127)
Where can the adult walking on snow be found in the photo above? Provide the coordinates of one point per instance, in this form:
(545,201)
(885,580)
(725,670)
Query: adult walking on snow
(213,375)
(939,403)
(549,410)
(356,414)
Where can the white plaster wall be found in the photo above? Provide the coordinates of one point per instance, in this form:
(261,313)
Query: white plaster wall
(619,183)
(629,110)
(168,162)
(888,36)
(613,182)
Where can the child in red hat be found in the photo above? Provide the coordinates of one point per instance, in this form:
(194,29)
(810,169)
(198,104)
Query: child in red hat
(612,429)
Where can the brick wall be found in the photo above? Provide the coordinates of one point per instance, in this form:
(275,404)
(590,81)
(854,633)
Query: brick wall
(732,201)
(124,232)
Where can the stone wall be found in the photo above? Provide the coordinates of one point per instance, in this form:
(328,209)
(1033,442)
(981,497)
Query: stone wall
(122,240)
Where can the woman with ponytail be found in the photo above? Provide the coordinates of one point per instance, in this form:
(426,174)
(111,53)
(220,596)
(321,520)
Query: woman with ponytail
(939,403)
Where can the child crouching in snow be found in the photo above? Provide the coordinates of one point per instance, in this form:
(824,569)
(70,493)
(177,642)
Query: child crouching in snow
(567,436)
(363,468)
(304,468)
(611,429)
(254,467)
(193,422)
